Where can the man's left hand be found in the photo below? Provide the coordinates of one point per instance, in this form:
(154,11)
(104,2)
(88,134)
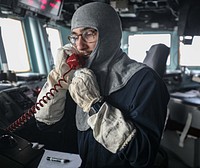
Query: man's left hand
(84,89)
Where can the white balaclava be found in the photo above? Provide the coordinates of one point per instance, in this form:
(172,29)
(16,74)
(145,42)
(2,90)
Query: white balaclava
(111,65)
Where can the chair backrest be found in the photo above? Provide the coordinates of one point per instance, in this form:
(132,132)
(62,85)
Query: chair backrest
(156,58)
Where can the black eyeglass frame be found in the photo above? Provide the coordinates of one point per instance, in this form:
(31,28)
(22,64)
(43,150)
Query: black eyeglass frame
(70,37)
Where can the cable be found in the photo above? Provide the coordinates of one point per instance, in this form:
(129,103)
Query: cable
(27,116)
(74,62)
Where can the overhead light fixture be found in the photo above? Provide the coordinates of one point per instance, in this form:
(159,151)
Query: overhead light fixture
(133,28)
(154,25)
(187,40)
(127,14)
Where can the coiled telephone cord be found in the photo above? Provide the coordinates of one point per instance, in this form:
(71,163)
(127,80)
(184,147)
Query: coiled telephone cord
(30,113)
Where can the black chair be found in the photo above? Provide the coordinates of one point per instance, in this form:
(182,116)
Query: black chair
(156,58)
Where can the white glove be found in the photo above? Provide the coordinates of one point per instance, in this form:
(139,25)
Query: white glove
(84,89)
(53,110)
(63,53)
(110,129)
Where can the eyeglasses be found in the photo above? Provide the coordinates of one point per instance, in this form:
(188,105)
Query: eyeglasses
(88,36)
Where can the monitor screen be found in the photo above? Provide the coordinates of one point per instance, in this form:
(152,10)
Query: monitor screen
(48,8)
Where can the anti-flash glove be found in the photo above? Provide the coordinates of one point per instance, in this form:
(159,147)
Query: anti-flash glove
(84,89)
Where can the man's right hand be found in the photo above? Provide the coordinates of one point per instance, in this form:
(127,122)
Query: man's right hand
(61,66)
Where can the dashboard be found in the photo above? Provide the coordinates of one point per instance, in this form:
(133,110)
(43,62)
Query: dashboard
(16,100)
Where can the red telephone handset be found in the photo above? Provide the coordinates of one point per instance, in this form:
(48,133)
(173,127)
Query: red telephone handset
(74,61)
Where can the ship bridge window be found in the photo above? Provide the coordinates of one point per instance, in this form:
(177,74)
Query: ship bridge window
(138,44)
(54,39)
(189,53)
(15,45)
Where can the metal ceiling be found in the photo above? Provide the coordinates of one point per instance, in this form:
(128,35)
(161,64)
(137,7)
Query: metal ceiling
(148,15)
(143,14)
(136,15)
